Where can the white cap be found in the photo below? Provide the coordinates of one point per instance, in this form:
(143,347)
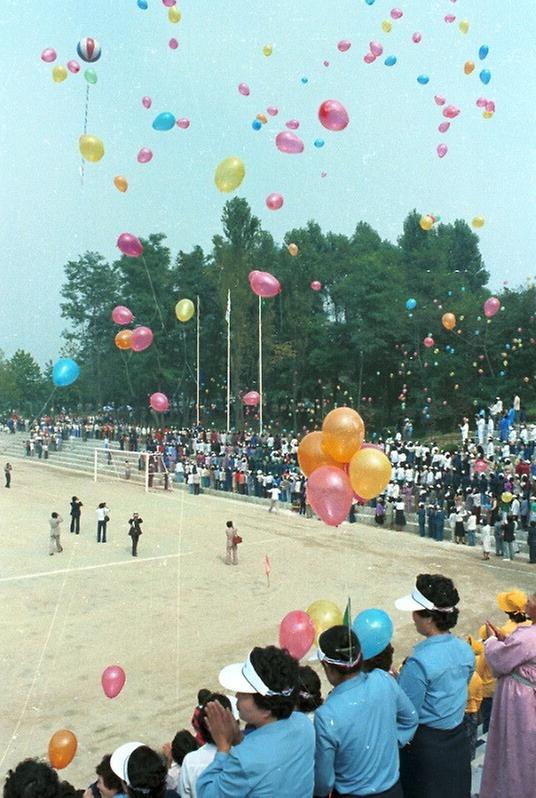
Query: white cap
(241,677)
(119,760)
(416,601)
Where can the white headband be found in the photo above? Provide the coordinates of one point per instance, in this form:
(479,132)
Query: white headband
(417,596)
(252,677)
(342,663)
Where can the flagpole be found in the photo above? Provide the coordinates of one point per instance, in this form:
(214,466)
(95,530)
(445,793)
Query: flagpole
(228,317)
(260,366)
(197,376)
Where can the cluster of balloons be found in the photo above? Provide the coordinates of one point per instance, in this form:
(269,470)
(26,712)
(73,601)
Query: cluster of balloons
(64,372)
(138,339)
(88,50)
(340,466)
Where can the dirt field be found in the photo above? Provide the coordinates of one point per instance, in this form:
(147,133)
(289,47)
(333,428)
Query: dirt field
(176,614)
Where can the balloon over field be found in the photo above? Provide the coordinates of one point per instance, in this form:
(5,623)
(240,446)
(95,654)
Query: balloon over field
(343,432)
(62,748)
(59,73)
(264,284)
(369,472)
(292,250)
(113,678)
(411,304)
(64,372)
(297,633)
(184,310)
(229,174)
(91,148)
(324,614)
(333,115)
(130,245)
(251,398)
(122,315)
(274,201)
(311,455)
(428,342)
(330,494)
(374,630)
(316,285)
(49,55)
(142,338)
(159,402)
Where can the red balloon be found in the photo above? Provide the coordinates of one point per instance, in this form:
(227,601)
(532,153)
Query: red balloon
(122,315)
(316,285)
(130,245)
(142,338)
(491,307)
(296,633)
(428,342)
(113,678)
(264,284)
(330,494)
(480,466)
(159,402)
(333,115)
(251,398)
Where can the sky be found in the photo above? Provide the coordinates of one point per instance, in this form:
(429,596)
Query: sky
(378,169)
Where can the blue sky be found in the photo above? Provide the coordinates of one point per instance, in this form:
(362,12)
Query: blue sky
(380,167)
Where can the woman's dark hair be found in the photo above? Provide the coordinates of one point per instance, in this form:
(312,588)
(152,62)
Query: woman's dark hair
(102,504)
(203,728)
(183,743)
(146,774)
(68,791)
(309,690)
(32,779)
(279,671)
(202,695)
(439,589)
(382,661)
(229,524)
(74,499)
(111,781)
(517,617)
(340,642)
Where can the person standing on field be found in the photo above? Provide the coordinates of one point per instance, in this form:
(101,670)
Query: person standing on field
(135,531)
(54,544)
(231,549)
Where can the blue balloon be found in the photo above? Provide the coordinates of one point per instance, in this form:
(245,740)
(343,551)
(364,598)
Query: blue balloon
(305,80)
(482,53)
(143,4)
(256,124)
(390,60)
(374,629)
(423,80)
(319,143)
(411,304)
(164,121)
(485,76)
(65,372)
(370,2)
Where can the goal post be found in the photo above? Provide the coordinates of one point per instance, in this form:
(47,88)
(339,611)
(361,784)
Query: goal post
(147,469)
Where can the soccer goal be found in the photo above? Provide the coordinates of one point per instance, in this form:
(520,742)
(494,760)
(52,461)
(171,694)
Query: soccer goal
(143,468)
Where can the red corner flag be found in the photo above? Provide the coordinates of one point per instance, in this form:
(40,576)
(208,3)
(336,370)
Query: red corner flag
(267,568)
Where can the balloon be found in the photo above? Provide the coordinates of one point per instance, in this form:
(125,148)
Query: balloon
(428,342)
(173,44)
(174,15)
(91,148)
(483,52)
(390,60)
(330,494)
(164,121)
(375,48)
(468,67)
(333,115)
(293,250)
(146,102)
(481,102)
(316,285)
(324,614)
(319,143)
(256,124)
(142,338)
(485,76)
(506,497)
(450,18)
(464,26)
(439,99)
(159,402)
(480,466)
(344,45)
(130,245)
(113,678)
(478,221)
(122,315)
(120,183)
(343,433)
(416,38)
(426,222)
(123,339)
(387,26)
(65,372)
(243,88)
(59,73)
(396,13)
(183,123)
(274,201)
(144,155)
(73,66)
(267,50)
(229,173)
(368,58)
(450,112)
(411,303)
(443,127)
(491,307)
(442,150)
(184,310)
(62,748)
(90,76)
(296,633)
(49,55)
(264,284)
(272,110)
(88,49)
(448,320)
(251,398)
(289,143)
(169,3)
(143,4)
(374,630)
(292,124)
(423,80)
(369,472)
(311,455)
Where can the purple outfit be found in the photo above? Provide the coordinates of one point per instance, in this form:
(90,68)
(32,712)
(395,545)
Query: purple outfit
(509,770)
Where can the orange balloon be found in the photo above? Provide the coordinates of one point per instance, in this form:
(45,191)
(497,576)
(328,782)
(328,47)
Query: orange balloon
(123,339)
(343,432)
(311,455)
(62,748)
(369,472)
(468,67)
(448,320)
(120,183)
(293,250)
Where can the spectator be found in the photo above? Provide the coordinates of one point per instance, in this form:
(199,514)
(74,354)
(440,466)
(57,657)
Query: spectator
(309,691)
(182,744)
(103,516)
(107,784)
(197,761)
(141,770)
(54,542)
(32,779)
(75,513)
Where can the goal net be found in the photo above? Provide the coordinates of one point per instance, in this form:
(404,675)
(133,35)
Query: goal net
(143,468)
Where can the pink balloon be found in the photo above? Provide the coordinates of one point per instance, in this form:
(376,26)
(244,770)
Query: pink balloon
(480,466)
(122,315)
(251,398)
(130,245)
(296,633)
(439,99)
(330,494)
(169,3)
(145,155)
(396,13)
(443,127)
(73,66)
(491,307)
(449,18)
(481,102)
(376,49)
(316,285)
(451,112)
(146,102)
(292,124)
(159,402)
(417,37)
(442,150)
(490,106)
(344,45)
(289,143)
(49,55)
(369,58)
(274,201)
(142,338)
(428,342)
(333,115)
(243,88)
(183,123)
(326,63)
(113,679)
(264,284)
(173,44)
(272,110)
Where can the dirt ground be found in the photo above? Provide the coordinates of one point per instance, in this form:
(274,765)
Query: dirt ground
(176,614)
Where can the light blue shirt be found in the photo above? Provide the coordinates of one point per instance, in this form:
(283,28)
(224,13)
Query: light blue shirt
(274,760)
(358,731)
(435,677)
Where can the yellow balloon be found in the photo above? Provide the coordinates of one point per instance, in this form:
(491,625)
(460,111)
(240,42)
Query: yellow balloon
(229,173)
(343,432)
(464,26)
(369,472)
(478,221)
(487,114)
(174,15)
(121,183)
(267,50)
(91,148)
(324,614)
(426,222)
(387,26)
(293,250)
(184,310)
(59,73)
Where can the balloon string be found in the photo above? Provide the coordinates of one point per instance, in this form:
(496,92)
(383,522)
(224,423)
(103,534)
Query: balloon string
(125,363)
(85,131)
(46,403)
(154,293)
